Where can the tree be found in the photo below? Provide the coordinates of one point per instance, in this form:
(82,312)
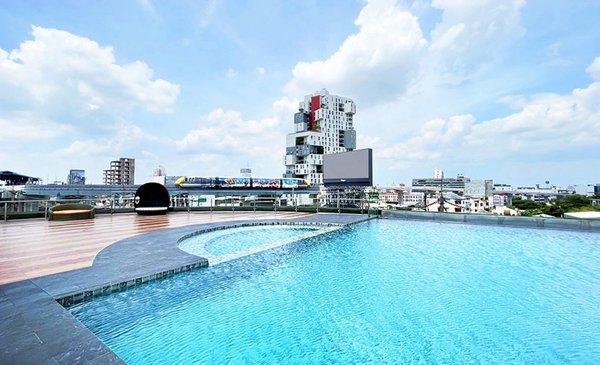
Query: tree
(573,202)
(521,204)
(554,209)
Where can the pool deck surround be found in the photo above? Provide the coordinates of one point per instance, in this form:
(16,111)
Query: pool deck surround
(36,329)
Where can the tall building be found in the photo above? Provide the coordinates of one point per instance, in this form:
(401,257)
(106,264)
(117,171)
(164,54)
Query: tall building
(121,172)
(323,125)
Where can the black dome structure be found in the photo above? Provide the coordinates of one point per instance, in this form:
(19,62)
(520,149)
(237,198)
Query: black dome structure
(151,199)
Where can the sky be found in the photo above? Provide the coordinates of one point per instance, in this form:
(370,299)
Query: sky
(504,90)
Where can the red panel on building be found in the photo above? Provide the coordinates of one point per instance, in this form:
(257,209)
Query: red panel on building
(315,104)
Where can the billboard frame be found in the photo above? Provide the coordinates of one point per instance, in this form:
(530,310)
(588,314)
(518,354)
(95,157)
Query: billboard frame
(350,181)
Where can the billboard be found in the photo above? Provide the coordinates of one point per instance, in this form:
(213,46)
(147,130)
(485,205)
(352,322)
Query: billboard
(479,188)
(76,177)
(354,168)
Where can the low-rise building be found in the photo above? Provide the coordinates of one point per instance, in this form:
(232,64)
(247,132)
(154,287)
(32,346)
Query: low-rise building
(478,205)
(413,198)
(502,199)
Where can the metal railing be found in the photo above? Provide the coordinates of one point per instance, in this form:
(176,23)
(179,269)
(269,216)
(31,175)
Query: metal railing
(19,209)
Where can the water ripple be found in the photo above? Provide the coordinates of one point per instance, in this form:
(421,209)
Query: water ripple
(376,293)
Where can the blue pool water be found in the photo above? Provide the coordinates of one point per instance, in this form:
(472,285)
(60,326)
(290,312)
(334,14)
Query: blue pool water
(378,292)
(227,241)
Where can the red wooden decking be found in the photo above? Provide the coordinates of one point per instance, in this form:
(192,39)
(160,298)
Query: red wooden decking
(36,247)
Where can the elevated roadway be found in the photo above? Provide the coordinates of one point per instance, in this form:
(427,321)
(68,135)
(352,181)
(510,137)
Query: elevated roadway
(108,190)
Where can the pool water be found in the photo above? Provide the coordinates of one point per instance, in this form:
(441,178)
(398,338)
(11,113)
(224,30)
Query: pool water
(233,240)
(378,292)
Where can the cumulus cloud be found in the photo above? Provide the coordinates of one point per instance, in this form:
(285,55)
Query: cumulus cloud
(127,139)
(62,86)
(59,73)
(547,123)
(389,55)
(594,69)
(435,138)
(544,124)
(19,128)
(225,140)
(380,57)
(476,27)
(228,133)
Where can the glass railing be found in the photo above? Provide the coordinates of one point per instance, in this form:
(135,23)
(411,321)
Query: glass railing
(18,209)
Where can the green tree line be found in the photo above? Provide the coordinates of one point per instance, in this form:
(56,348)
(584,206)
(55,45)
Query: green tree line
(570,203)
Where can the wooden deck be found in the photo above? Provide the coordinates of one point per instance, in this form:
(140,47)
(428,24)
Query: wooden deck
(36,247)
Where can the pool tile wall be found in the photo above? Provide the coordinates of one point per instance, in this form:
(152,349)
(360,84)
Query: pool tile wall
(490,219)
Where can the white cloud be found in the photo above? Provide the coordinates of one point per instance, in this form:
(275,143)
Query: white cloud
(594,69)
(377,61)
(126,139)
(58,73)
(389,56)
(261,71)
(476,27)
(64,88)
(435,138)
(227,133)
(545,124)
(18,129)
(224,141)
(548,123)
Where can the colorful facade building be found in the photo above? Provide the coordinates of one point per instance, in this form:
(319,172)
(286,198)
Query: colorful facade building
(324,124)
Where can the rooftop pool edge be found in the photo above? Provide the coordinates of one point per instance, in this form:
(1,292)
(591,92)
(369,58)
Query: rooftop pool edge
(37,328)
(578,225)
(86,294)
(98,291)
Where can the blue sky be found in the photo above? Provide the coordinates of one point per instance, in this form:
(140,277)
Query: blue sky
(506,90)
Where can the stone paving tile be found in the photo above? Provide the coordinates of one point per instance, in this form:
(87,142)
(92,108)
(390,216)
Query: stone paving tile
(106,359)
(37,330)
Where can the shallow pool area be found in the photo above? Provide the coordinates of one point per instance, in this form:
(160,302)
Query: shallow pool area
(233,242)
(383,291)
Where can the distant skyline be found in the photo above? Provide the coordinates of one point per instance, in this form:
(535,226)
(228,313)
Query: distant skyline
(503,90)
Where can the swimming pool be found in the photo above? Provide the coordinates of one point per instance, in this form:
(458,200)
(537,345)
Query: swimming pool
(226,244)
(383,291)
